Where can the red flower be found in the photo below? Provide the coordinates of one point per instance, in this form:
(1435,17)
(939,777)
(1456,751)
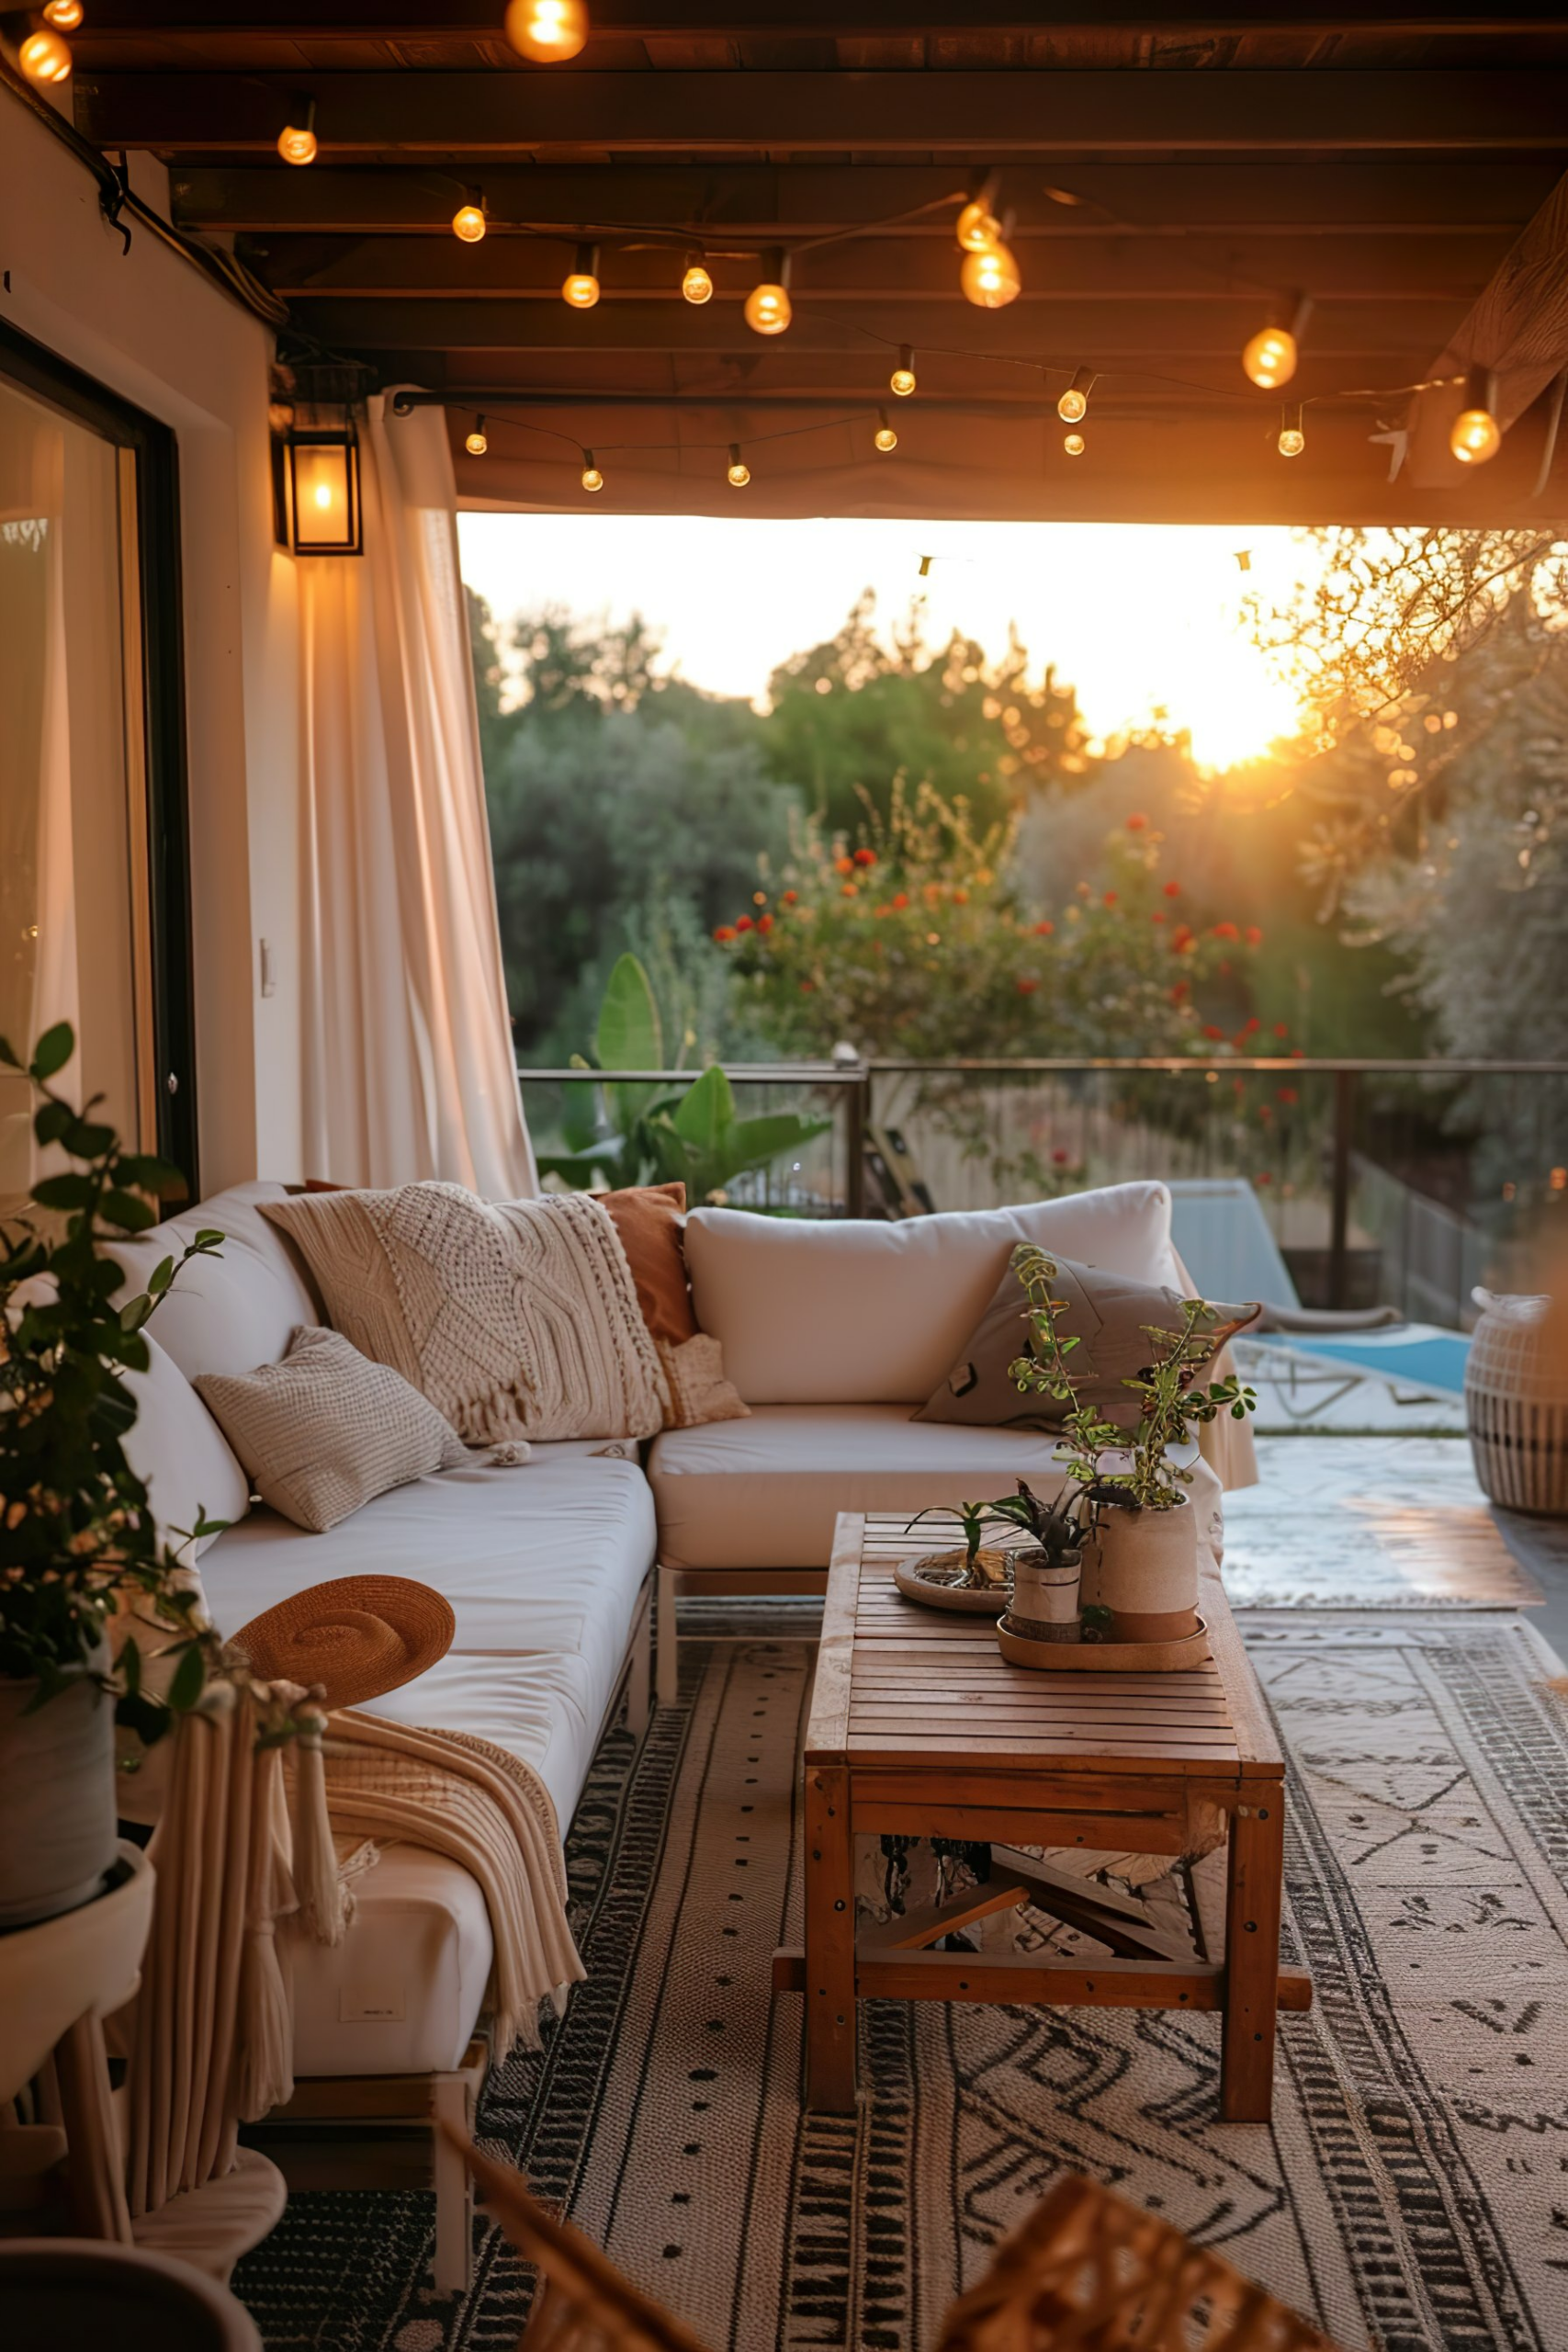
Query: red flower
(865,857)
(1172,890)
(1043,930)
(1159,915)
(1289,1094)
(1137,823)
(1265,1178)
(843,866)
(961,897)
(1182,989)
(900,899)
(1027,986)
(1110,898)
(1298,1053)
(1226,931)
(1281,1029)
(1248,1026)
(807,986)
(789,898)
(724,931)
(764,923)
(1181,939)
(1060,1159)
(1253,936)
(1210,1031)
(742,923)
(849,891)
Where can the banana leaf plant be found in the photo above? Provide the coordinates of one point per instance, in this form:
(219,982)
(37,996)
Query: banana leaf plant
(628,1131)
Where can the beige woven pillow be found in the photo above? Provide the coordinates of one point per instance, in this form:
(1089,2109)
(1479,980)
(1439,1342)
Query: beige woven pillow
(326,1430)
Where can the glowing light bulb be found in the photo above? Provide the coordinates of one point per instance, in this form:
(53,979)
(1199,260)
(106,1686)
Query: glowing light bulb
(1292,438)
(739,472)
(1271,357)
(902,379)
(989,279)
(768,308)
(63,15)
(977,226)
(884,437)
(1074,443)
(696,285)
(547,30)
(323,494)
(1475,435)
(468,223)
(1073,406)
(43,57)
(297,144)
(476,445)
(591,477)
(580,285)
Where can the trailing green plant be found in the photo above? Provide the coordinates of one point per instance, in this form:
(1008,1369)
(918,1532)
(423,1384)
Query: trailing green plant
(1172,1399)
(627,1131)
(77,1537)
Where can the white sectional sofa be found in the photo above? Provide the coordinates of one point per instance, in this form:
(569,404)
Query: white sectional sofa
(832,1333)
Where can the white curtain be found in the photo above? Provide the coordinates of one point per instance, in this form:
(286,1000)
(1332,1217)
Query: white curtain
(408,1066)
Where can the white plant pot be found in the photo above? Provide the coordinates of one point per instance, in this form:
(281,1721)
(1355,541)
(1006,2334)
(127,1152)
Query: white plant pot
(1045,1605)
(1143,1568)
(57,1820)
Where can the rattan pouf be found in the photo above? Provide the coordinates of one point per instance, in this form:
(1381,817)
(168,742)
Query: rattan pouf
(1516,1405)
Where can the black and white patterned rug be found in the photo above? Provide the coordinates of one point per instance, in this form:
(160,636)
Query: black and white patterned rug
(1411,2194)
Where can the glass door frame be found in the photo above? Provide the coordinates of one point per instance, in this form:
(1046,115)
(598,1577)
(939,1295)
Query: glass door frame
(157,768)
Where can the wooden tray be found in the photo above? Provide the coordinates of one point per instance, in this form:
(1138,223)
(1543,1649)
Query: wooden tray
(978,1600)
(1106,1657)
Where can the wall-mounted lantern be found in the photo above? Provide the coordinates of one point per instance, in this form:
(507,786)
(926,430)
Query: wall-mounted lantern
(316,500)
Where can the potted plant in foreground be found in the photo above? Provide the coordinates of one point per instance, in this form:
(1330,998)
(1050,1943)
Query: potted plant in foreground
(78,1544)
(1142,1566)
(1047,1570)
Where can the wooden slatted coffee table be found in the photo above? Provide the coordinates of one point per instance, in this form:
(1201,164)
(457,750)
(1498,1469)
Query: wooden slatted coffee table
(920,1727)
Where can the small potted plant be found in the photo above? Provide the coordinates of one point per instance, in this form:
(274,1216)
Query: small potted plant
(1144,1567)
(977,1566)
(1047,1568)
(78,1544)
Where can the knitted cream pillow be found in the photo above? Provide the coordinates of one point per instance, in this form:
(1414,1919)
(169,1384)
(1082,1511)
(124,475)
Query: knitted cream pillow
(326,1430)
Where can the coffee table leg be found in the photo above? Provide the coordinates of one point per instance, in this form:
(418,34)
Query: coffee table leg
(829,1941)
(1255,1872)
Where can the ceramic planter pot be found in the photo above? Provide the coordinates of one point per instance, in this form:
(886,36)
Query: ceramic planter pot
(1145,1570)
(57,1824)
(1045,1605)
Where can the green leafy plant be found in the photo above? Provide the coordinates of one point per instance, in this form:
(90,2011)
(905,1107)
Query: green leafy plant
(77,1538)
(1172,1398)
(1054,1528)
(647,1132)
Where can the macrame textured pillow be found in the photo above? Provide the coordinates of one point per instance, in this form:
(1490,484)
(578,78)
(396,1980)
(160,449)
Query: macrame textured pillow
(326,1430)
(517,1320)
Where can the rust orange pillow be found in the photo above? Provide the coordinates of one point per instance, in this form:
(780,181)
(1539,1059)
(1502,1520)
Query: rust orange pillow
(649,1221)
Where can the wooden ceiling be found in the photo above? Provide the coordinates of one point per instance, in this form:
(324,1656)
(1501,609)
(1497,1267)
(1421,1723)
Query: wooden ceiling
(1176,175)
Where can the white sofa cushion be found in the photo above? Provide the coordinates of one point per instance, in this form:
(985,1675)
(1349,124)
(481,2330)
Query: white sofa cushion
(854,1313)
(545,1559)
(179,1451)
(764,1493)
(232,1311)
(401,1993)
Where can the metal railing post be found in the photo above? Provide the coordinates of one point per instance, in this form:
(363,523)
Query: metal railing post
(857,1117)
(1339,1207)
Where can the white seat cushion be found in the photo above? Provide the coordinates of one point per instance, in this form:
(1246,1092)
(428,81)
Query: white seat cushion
(863,1313)
(548,1558)
(764,1493)
(402,1992)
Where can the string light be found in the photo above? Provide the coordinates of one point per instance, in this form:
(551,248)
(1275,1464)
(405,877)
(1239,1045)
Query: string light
(1270,356)
(1074,443)
(476,445)
(977,226)
(547,32)
(1292,438)
(989,279)
(65,16)
(296,140)
(469,223)
(884,437)
(768,308)
(1475,435)
(739,472)
(43,57)
(591,477)
(580,285)
(1073,406)
(902,379)
(696,285)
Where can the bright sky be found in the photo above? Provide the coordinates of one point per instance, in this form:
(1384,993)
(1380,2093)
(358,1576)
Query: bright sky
(1142,618)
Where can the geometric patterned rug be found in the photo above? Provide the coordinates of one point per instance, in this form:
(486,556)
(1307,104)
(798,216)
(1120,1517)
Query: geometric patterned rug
(1411,2193)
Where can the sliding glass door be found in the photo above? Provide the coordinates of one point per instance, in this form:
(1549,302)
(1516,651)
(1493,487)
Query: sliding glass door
(94,890)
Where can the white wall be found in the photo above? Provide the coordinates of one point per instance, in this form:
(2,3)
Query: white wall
(145,325)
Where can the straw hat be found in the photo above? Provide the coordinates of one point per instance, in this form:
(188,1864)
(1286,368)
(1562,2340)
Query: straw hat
(358,1636)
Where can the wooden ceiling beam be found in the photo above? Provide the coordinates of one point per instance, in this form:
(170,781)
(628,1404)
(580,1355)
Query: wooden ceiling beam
(466,20)
(1100,332)
(807,199)
(964,115)
(1356,269)
(1517,330)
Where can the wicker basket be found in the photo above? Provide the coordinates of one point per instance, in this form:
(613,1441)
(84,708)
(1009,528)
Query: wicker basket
(1516,1405)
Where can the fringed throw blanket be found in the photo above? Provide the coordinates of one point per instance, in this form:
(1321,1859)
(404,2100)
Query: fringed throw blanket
(487,1810)
(517,1320)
